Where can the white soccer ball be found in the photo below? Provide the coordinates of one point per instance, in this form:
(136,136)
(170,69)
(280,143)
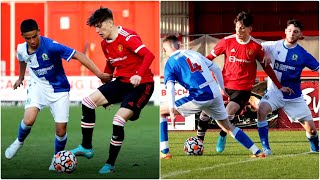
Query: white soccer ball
(65,161)
(193,146)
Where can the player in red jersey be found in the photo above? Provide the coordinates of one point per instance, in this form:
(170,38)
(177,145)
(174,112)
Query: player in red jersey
(128,60)
(239,72)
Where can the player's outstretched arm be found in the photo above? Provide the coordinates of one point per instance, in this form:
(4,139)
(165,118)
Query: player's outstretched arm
(92,67)
(19,82)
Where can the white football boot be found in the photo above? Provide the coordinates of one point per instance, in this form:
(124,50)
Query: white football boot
(51,167)
(13,149)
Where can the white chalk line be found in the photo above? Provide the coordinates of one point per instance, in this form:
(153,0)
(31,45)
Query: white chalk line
(228,164)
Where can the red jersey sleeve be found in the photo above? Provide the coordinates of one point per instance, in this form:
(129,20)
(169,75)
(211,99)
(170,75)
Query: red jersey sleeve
(220,48)
(260,54)
(134,43)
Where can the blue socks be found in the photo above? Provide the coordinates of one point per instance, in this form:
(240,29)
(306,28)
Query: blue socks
(23,131)
(263,133)
(60,143)
(244,140)
(314,142)
(164,143)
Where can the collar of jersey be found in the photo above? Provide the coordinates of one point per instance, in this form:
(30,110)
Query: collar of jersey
(288,47)
(119,29)
(243,42)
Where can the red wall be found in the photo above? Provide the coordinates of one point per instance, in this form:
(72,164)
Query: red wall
(143,18)
(217,17)
(79,35)
(5,35)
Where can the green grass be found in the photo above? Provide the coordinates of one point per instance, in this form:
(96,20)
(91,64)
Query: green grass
(290,160)
(138,158)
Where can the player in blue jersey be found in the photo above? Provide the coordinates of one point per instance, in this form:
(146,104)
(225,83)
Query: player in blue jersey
(288,59)
(194,72)
(48,85)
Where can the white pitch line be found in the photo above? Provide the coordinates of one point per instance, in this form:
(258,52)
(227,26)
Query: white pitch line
(228,164)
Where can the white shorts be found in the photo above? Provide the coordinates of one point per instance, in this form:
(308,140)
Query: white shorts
(57,102)
(296,109)
(213,108)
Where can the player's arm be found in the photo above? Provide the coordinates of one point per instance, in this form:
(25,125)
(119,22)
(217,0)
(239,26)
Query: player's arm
(22,70)
(269,71)
(135,44)
(92,67)
(171,100)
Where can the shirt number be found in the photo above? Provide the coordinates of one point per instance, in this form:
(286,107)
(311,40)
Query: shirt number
(193,67)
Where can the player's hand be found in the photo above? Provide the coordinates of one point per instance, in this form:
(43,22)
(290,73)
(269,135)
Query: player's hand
(173,118)
(225,95)
(135,80)
(287,90)
(18,83)
(105,77)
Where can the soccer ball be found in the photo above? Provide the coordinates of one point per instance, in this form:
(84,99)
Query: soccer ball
(65,161)
(193,146)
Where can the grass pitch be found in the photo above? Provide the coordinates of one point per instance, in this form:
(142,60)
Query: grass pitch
(291,158)
(138,158)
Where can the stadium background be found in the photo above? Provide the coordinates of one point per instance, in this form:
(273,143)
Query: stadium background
(200,25)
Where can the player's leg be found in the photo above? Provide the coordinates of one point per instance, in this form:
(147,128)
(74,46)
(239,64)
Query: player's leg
(164,139)
(267,104)
(88,120)
(203,125)
(238,100)
(32,107)
(24,129)
(304,117)
(102,96)
(59,107)
(217,111)
(312,134)
(133,102)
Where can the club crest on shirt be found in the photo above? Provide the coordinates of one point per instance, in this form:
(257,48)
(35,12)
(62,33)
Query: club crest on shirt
(294,57)
(249,52)
(45,56)
(120,48)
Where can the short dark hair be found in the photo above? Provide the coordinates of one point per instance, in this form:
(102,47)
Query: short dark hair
(245,17)
(99,16)
(295,23)
(172,39)
(28,25)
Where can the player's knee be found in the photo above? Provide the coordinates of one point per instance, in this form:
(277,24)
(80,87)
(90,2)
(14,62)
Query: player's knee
(118,121)
(204,117)
(230,117)
(118,128)
(88,112)
(87,101)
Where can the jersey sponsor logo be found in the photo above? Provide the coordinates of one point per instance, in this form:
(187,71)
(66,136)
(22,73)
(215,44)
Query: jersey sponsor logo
(234,59)
(43,71)
(294,57)
(282,67)
(45,56)
(120,48)
(233,50)
(117,59)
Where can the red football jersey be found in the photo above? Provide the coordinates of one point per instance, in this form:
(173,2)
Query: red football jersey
(240,67)
(123,60)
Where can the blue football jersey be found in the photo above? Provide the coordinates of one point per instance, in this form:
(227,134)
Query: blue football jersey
(191,70)
(45,64)
(288,64)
